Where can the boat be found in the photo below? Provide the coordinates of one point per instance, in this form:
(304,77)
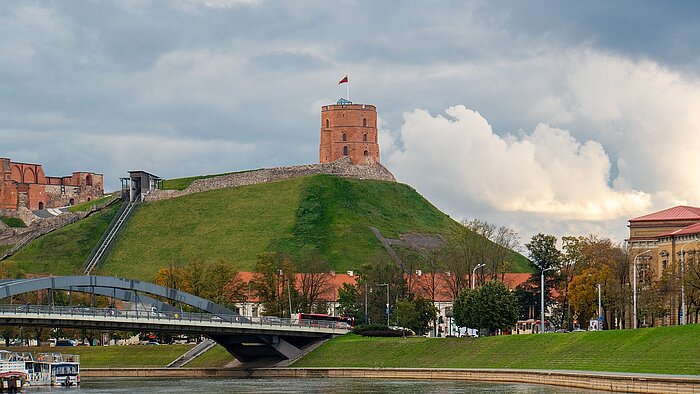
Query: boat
(12,374)
(50,369)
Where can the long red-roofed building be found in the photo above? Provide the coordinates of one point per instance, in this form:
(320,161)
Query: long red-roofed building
(420,284)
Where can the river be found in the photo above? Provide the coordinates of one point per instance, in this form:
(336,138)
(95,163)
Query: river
(261,386)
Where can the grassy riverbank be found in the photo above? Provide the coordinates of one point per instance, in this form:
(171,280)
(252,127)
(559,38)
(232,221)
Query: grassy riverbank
(667,350)
(119,356)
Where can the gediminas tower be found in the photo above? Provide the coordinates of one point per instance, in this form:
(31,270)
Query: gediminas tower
(349,129)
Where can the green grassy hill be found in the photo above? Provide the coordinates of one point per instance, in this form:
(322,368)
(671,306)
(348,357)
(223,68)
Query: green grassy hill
(64,251)
(321,213)
(671,350)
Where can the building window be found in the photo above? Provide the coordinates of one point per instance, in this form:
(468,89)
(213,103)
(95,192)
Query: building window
(71,201)
(89,199)
(345,137)
(364,137)
(41,205)
(366,153)
(364,122)
(328,123)
(345,151)
(88,180)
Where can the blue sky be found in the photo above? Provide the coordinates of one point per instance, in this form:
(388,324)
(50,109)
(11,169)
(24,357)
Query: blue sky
(567,118)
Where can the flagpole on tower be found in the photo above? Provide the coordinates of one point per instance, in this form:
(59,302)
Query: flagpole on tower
(346,81)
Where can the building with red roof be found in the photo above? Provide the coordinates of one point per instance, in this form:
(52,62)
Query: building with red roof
(660,237)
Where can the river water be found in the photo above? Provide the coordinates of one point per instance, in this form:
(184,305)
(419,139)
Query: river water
(261,386)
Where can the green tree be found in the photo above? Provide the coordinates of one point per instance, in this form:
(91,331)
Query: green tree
(491,306)
(416,314)
(348,302)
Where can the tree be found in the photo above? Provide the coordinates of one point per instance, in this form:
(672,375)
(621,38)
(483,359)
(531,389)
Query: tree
(314,282)
(273,283)
(348,302)
(543,252)
(416,314)
(492,306)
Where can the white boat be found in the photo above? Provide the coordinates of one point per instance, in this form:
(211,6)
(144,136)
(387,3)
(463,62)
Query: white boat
(12,372)
(50,369)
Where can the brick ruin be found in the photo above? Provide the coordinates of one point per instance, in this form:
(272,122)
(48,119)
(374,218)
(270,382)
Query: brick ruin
(25,186)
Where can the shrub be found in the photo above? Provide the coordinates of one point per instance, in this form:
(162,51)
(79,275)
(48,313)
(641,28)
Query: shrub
(359,330)
(13,222)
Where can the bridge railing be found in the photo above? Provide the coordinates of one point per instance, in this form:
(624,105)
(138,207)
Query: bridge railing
(112,313)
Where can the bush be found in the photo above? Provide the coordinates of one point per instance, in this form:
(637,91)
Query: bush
(383,333)
(13,222)
(361,329)
(379,330)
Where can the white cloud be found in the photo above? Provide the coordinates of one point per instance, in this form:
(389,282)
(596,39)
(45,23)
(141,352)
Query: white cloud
(546,172)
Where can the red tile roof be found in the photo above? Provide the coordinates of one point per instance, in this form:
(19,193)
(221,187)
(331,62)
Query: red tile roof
(688,230)
(419,284)
(681,212)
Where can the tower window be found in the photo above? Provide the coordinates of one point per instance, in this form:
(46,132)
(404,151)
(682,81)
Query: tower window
(366,153)
(41,205)
(364,122)
(345,137)
(328,123)
(345,151)
(364,137)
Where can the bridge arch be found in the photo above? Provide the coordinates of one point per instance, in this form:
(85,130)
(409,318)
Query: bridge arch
(104,284)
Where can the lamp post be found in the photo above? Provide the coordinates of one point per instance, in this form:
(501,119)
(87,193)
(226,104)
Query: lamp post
(600,310)
(634,290)
(474,274)
(387,301)
(366,316)
(683,283)
(542,299)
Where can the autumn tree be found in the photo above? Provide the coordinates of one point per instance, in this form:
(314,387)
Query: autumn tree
(315,282)
(273,281)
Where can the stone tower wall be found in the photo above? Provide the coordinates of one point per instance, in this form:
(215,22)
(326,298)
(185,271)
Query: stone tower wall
(349,130)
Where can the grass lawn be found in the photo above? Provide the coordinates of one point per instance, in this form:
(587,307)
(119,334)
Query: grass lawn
(666,350)
(64,251)
(322,213)
(214,357)
(86,205)
(117,356)
(4,248)
(13,222)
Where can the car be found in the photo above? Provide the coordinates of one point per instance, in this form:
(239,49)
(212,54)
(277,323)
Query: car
(66,342)
(156,343)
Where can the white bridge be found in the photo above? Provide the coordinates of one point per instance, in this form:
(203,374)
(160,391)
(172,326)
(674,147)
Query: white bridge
(246,338)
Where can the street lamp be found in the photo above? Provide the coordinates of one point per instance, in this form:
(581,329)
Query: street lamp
(542,299)
(634,290)
(474,274)
(600,310)
(387,301)
(682,253)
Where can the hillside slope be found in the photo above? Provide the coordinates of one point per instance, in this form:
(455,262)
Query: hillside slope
(64,251)
(321,213)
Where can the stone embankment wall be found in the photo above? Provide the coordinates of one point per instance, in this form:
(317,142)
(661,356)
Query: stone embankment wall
(342,167)
(605,381)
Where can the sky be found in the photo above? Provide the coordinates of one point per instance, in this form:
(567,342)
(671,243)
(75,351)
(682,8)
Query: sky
(566,118)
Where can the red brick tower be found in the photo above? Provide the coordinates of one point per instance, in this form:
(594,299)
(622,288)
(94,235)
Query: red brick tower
(349,129)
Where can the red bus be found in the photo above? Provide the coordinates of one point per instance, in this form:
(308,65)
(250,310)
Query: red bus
(321,320)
